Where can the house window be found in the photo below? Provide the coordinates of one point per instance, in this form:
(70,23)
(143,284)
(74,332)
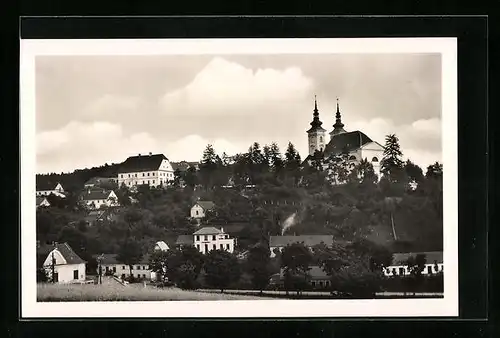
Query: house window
(214,247)
(213,237)
(222,246)
(206,247)
(138,267)
(148,174)
(227,246)
(206,238)
(429,269)
(198,247)
(227,236)
(75,274)
(153,181)
(374,159)
(198,237)
(135,175)
(114,269)
(321,283)
(394,272)
(313,283)
(123,267)
(143,175)
(122,175)
(128,175)
(401,271)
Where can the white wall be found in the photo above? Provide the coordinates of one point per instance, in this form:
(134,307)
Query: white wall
(222,239)
(155,178)
(65,272)
(197,211)
(137,269)
(389,271)
(316,141)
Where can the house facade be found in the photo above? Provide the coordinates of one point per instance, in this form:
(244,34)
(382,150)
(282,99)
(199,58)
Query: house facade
(42,202)
(97,198)
(207,239)
(316,277)
(48,188)
(199,210)
(64,265)
(110,265)
(152,170)
(399,267)
(278,243)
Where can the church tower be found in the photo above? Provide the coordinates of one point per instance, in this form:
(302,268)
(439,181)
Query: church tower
(316,134)
(338,127)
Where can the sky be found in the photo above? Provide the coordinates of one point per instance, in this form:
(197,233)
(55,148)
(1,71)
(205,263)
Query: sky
(92,110)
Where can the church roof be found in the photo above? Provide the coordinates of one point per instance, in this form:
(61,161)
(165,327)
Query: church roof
(316,123)
(346,142)
(142,163)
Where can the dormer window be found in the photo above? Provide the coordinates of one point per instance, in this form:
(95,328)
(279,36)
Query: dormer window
(375,159)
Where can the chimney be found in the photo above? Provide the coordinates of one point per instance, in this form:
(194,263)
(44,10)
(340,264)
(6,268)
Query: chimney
(139,155)
(150,153)
(221,229)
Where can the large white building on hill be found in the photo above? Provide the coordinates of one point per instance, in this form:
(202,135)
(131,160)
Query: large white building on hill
(153,170)
(357,144)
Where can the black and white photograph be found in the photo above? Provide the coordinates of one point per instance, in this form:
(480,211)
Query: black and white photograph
(245,177)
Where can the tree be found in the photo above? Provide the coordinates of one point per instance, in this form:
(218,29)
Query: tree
(221,269)
(295,261)
(181,266)
(292,163)
(129,253)
(191,177)
(363,173)
(158,263)
(258,266)
(338,168)
(413,172)
(392,164)
(434,171)
(210,163)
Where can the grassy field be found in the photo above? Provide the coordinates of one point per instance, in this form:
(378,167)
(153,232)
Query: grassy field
(117,292)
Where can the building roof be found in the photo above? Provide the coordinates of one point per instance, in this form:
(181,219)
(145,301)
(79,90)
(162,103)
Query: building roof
(308,240)
(142,163)
(346,142)
(162,245)
(208,231)
(183,165)
(206,205)
(95,194)
(99,180)
(184,240)
(316,122)
(109,258)
(39,200)
(66,251)
(430,257)
(45,184)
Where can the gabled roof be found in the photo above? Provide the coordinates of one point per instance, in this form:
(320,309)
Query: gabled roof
(39,200)
(142,163)
(346,142)
(206,205)
(66,251)
(430,257)
(184,240)
(162,245)
(45,184)
(309,240)
(208,231)
(95,194)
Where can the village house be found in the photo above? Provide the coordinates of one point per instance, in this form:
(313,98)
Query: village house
(207,239)
(399,267)
(96,198)
(317,278)
(45,188)
(66,265)
(98,181)
(42,202)
(152,170)
(112,266)
(200,208)
(277,243)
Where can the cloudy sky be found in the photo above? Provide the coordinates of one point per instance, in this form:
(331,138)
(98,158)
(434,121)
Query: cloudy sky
(92,110)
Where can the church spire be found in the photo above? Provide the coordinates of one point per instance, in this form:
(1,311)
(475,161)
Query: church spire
(316,123)
(338,127)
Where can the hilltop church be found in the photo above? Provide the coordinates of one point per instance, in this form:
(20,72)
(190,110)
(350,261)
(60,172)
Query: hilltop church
(356,143)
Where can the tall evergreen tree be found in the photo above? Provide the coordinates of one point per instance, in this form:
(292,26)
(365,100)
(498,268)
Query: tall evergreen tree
(392,164)
(292,163)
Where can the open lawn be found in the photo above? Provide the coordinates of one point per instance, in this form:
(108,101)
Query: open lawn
(117,292)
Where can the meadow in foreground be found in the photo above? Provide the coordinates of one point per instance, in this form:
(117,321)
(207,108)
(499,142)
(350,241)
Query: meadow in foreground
(117,292)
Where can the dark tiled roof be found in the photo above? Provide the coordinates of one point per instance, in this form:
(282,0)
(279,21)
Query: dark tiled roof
(208,231)
(184,240)
(66,251)
(430,257)
(95,194)
(206,205)
(142,163)
(45,184)
(346,142)
(309,240)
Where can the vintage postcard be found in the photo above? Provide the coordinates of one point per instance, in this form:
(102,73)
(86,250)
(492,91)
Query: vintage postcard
(239,178)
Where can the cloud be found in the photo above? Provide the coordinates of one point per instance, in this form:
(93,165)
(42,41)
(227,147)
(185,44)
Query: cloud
(224,87)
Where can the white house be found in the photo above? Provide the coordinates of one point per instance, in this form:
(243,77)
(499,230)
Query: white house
(96,198)
(199,210)
(67,266)
(110,265)
(44,188)
(42,202)
(153,170)
(207,239)
(161,245)
(399,267)
(277,243)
